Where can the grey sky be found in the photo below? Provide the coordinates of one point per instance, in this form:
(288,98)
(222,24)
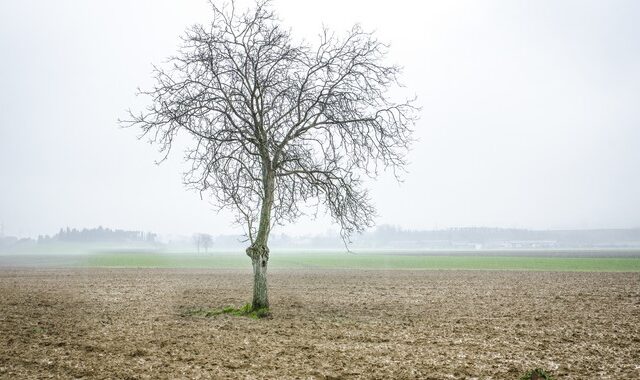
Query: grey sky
(530,113)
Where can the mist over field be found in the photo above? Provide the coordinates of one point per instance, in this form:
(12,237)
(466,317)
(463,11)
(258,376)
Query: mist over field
(382,237)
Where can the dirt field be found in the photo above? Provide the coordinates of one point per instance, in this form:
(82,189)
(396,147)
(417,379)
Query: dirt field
(126,324)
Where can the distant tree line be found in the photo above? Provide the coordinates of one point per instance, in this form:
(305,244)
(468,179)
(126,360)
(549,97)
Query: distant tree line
(100,234)
(384,236)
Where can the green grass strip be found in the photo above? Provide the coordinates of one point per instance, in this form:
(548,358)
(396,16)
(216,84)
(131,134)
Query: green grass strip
(365,261)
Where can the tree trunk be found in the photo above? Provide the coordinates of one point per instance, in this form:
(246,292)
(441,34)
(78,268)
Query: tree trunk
(258,251)
(259,257)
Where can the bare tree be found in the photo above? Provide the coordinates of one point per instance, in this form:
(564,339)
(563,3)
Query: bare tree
(279,126)
(206,240)
(196,239)
(203,240)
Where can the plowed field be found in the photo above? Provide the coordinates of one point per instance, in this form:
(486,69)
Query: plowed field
(128,324)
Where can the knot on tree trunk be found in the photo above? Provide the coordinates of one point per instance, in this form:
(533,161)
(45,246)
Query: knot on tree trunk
(258,251)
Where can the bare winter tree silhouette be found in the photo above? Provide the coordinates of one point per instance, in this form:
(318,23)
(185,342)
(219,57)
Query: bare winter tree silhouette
(277,124)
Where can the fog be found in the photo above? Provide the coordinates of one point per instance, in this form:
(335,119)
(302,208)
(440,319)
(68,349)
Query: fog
(529,118)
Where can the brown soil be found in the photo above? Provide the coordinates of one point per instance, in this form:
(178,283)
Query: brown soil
(127,324)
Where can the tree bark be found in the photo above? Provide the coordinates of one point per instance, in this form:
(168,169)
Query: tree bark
(259,258)
(259,251)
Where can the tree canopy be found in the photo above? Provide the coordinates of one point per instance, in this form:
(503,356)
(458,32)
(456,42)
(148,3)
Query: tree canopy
(257,102)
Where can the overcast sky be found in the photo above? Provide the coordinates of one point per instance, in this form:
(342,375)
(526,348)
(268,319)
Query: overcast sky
(530,119)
